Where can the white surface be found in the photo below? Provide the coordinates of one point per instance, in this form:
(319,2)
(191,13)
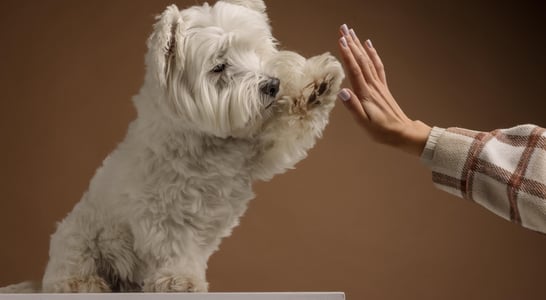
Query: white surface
(179,296)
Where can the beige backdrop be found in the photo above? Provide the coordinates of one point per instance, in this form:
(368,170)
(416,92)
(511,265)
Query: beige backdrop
(354,216)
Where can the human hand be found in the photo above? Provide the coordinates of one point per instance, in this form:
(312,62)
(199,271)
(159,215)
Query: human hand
(371,103)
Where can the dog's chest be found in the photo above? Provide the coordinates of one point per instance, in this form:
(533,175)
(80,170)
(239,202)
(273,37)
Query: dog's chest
(207,190)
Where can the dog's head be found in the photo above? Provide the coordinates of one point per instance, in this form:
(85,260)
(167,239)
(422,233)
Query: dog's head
(208,62)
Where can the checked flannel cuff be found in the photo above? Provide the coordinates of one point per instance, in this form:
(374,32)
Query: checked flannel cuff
(503,170)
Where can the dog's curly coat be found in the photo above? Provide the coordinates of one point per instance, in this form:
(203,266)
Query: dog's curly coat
(212,118)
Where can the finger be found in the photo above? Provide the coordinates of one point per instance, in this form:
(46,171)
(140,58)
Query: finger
(353,104)
(376,60)
(355,38)
(354,71)
(365,62)
(378,71)
(344,30)
(360,56)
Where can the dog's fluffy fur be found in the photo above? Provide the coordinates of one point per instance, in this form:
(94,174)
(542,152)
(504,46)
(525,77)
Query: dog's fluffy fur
(211,120)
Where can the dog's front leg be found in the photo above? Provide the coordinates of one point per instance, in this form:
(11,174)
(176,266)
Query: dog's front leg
(307,95)
(173,260)
(176,275)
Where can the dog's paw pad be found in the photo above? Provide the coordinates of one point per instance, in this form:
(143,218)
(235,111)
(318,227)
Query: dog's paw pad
(312,98)
(320,89)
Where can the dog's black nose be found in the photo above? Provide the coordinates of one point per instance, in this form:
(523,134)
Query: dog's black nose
(271,87)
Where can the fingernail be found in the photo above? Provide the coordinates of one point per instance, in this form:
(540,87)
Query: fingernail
(369,44)
(345,29)
(344,95)
(353,34)
(343,42)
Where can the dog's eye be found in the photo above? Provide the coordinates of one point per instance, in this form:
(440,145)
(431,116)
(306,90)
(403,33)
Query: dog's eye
(219,68)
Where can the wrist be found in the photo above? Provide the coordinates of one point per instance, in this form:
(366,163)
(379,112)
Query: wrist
(415,136)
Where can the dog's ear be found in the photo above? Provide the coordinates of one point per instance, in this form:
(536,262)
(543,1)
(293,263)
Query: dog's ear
(257,5)
(165,44)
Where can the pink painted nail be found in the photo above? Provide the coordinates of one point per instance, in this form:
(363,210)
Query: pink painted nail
(344,95)
(369,44)
(345,29)
(343,42)
(353,34)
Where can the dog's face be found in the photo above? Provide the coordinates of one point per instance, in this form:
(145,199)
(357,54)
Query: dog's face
(210,63)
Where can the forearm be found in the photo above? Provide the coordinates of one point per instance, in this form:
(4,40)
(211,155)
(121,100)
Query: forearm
(502,170)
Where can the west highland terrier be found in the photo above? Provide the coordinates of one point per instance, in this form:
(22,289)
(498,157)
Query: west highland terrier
(221,107)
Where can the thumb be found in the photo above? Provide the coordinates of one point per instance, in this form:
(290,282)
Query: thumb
(353,104)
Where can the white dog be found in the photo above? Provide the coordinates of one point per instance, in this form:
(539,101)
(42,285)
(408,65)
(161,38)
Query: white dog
(221,107)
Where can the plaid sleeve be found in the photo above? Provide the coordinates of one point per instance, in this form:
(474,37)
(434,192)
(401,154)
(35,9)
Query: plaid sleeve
(503,170)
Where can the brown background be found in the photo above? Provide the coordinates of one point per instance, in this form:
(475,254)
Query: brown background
(354,216)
